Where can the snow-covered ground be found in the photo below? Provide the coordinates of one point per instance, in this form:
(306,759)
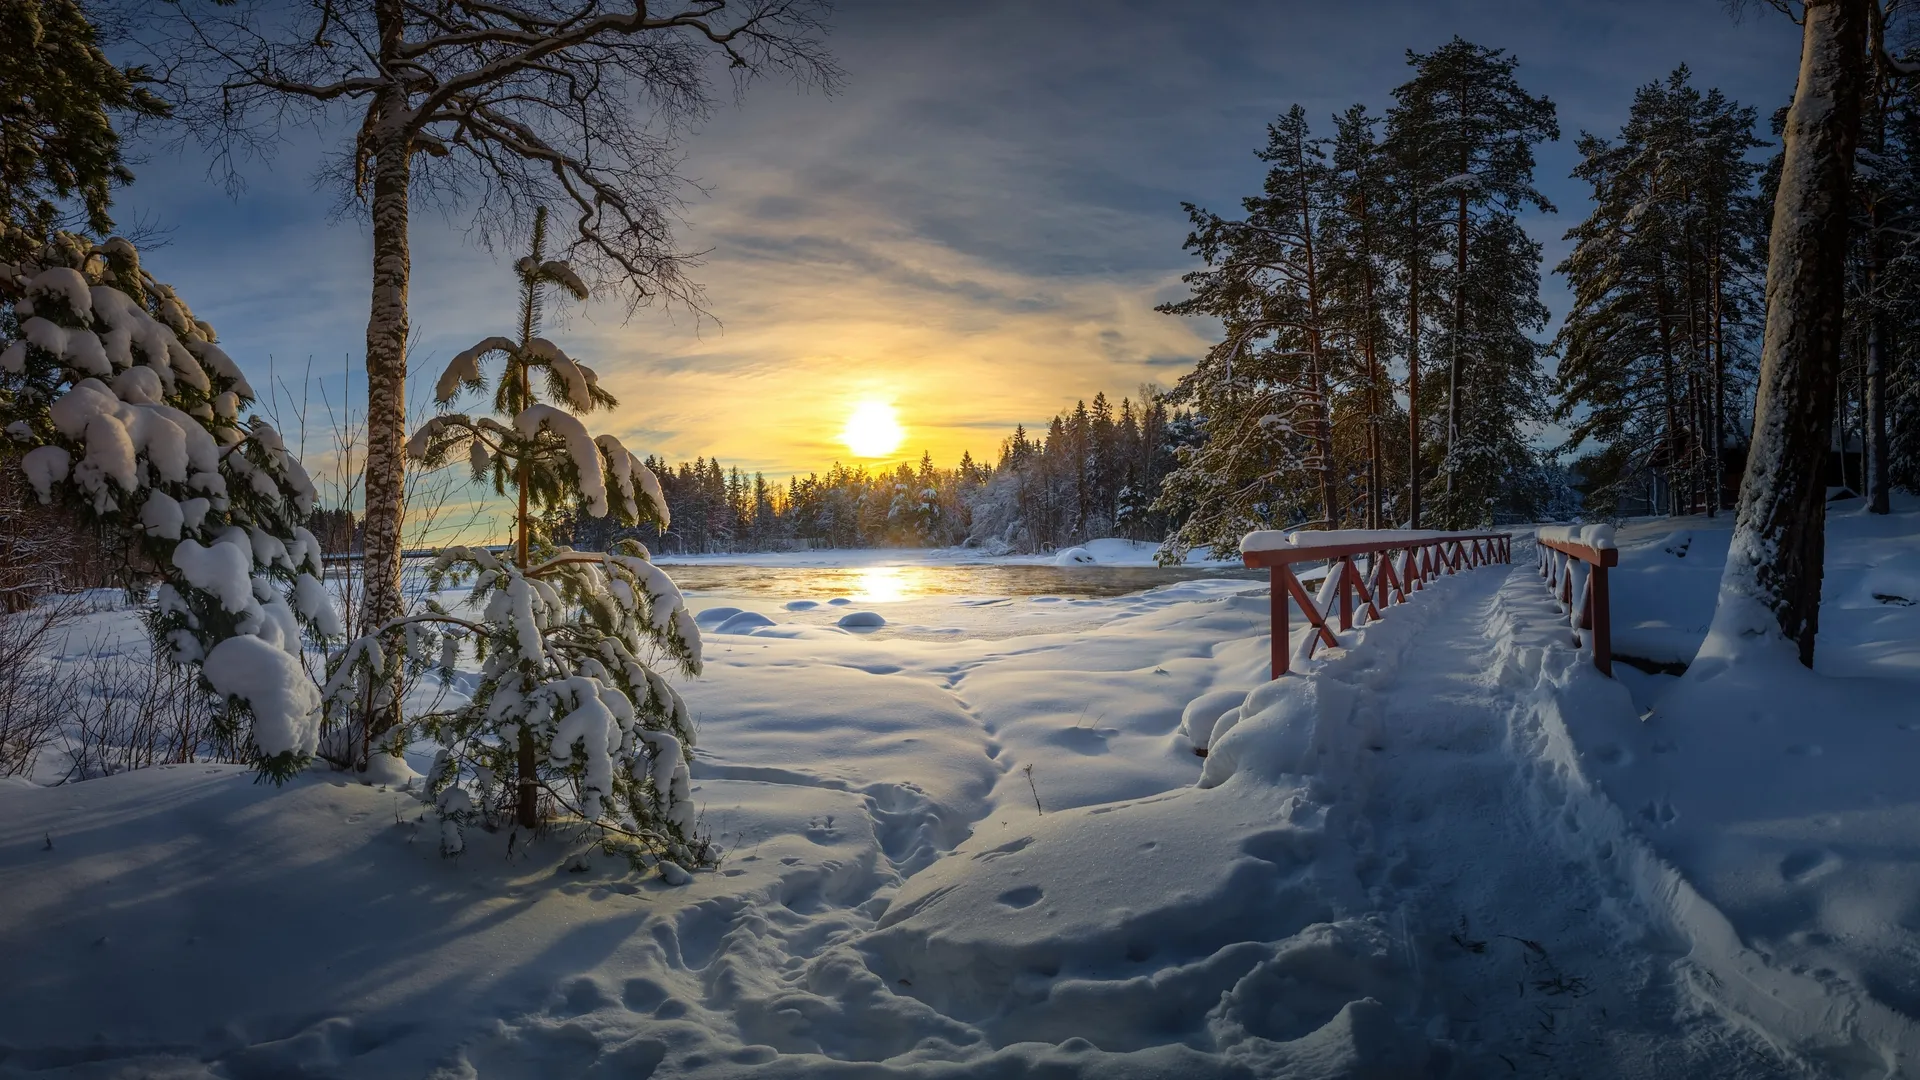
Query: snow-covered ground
(975,841)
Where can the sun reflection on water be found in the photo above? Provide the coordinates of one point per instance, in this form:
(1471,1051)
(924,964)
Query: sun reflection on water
(883,584)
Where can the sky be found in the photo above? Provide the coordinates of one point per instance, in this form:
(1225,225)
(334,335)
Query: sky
(974,228)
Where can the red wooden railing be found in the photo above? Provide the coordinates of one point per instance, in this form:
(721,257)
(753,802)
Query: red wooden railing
(1574,562)
(1420,557)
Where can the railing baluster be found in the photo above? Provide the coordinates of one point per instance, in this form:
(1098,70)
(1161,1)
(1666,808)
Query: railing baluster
(1396,569)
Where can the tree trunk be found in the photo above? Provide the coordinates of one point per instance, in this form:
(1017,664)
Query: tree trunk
(386,401)
(1375,467)
(1668,394)
(1456,366)
(1413,387)
(1877,449)
(1719,424)
(1316,354)
(1771,586)
(1873,403)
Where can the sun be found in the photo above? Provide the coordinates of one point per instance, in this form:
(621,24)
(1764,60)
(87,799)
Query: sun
(873,430)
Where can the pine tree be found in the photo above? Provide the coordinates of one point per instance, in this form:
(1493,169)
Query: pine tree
(57,142)
(1363,300)
(1264,393)
(131,414)
(1660,273)
(566,702)
(1466,130)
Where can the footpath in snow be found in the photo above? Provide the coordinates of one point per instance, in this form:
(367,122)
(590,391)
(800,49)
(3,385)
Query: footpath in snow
(964,856)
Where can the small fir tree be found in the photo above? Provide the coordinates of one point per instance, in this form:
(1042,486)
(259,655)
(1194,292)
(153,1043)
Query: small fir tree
(570,703)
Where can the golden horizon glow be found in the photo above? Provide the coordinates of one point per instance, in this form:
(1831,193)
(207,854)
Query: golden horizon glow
(873,431)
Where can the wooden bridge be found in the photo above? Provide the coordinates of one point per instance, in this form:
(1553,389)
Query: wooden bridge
(1370,570)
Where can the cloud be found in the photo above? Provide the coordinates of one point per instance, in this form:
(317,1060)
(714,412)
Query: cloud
(976,228)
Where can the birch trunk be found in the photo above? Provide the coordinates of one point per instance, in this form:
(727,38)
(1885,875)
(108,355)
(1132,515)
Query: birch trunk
(386,402)
(1771,585)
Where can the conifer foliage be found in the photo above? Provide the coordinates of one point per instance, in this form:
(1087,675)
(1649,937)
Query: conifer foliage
(1665,274)
(130,413)
(57,143)
(570,702)
(1368,258)
(1465,131)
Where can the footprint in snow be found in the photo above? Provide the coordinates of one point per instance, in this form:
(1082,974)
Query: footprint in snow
(1023,897)
(1808,865)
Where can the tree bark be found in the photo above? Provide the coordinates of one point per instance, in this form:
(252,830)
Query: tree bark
(1877,449)
(1668,393)
(1718,425)
(1375,467)
(389,143)
(386,403)
(1873,444)
(1456,365)
(1413,384)
(1323,402)
(1771,585)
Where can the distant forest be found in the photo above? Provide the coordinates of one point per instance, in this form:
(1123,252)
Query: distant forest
(1095,472)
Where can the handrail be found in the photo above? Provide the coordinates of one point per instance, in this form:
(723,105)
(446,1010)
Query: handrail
(1583,594)
(1424,556)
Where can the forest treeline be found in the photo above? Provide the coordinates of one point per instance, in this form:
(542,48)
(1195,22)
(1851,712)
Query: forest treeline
(1094,472)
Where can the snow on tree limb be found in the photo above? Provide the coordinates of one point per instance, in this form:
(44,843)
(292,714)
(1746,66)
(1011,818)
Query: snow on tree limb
(464,369)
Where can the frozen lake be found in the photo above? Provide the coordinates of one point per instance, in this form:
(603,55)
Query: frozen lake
(894,583)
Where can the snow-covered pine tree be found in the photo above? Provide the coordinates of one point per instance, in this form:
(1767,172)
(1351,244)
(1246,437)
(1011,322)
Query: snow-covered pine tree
(1365,311)
(1465,130)
(1264,393)
(570,700)
(131,413)
(1663,276)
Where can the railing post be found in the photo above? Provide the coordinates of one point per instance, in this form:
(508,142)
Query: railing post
(1345,589)
(1278,619)
(1602,618)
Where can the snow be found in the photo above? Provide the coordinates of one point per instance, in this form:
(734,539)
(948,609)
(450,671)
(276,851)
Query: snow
(575,378)
(979,844)
(46,466)
(464,368)
(591,729)
(161,515)
(1110,551)
(223,569)
(315,604)
(862,620)
(580,446)
(115,431)
(63,284)
(75,346)
(1279,540)
(285,703)
(1600,537)
(564,274)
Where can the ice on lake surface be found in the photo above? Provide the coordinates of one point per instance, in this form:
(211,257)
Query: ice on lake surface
(889,584)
